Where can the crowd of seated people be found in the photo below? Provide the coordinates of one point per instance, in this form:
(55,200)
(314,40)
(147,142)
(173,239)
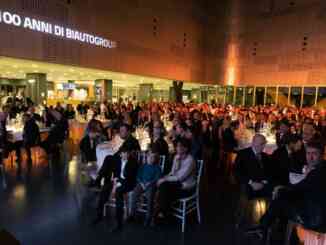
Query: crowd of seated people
(214,127)
(195,131)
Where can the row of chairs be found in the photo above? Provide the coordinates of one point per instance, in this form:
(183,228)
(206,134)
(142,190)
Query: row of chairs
(181,208)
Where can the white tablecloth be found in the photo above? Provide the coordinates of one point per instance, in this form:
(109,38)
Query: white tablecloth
(17,135)
(107,149)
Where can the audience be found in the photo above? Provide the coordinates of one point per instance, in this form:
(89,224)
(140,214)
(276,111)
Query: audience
(303,202)
(193,131)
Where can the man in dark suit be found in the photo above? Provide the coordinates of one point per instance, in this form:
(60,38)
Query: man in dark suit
(130,143)
(305,201)
(284,159)
(309,134)
(124,172)
(252,169)
(282,132)
(31,135)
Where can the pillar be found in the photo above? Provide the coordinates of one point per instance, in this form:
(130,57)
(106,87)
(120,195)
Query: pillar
(176,91)
(106,89)
(36,87)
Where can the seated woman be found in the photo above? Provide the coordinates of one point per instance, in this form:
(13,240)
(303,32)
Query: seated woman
(180,182)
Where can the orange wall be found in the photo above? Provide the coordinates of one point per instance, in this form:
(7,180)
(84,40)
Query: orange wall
(222,38)
(276,28)
(129,22)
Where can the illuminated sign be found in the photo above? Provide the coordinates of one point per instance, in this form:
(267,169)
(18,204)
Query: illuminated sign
(56,30)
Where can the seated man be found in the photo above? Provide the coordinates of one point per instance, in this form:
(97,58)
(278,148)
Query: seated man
(252,169)
(282,132)
(147,176)
(180,182)
(284,158)
(124,172)
(305,201)
(129,142)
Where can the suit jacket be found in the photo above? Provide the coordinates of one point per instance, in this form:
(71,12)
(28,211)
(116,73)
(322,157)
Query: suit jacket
(130,171)
(282,164)
(248,167)
(59,132)
(31,133)
(280,140)
(37,117)
(130,143)
(161,146)
(311,193)
(229,141)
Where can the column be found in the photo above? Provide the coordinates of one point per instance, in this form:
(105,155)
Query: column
(36,87)
(106,87)
(176,91)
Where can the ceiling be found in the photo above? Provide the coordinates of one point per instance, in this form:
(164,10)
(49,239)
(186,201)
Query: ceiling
(18,68)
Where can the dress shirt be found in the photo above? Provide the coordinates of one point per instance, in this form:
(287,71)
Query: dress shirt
(123,165)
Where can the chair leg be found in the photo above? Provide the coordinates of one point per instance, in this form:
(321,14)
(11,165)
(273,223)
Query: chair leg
(269,236)
(104,210)
(183,216)
(4,183)
(198,211)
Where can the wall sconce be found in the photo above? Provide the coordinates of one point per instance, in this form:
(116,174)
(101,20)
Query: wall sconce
(31,81)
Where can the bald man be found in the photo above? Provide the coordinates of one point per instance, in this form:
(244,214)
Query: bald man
(252,169)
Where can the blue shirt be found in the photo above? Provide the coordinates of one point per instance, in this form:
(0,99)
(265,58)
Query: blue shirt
(148,173)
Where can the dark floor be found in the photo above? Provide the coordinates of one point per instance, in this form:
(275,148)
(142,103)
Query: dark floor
(43,208)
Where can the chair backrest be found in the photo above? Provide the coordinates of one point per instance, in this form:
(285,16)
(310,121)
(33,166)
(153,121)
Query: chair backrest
(162,162)
(141,157)
(199,171)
